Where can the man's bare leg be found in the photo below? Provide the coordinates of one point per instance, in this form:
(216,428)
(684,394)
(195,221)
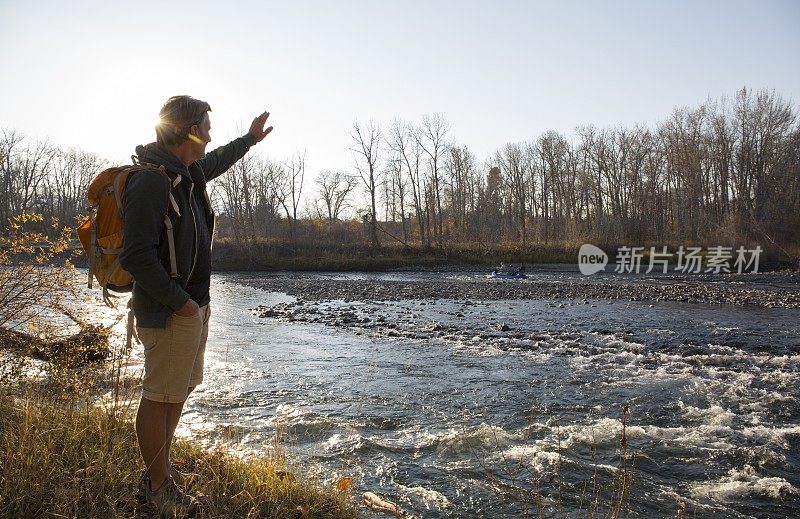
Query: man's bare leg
(173,417)
(152,431)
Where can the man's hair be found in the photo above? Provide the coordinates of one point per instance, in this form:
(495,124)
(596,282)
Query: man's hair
(177,116)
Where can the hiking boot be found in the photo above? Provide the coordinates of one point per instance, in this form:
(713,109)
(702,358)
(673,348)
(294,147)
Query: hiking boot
(170,501)
(144,484)
(138,499)
(141,490)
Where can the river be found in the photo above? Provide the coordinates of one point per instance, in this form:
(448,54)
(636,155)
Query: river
(491,408)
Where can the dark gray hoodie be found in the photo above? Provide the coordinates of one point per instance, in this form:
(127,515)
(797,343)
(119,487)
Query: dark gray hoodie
(145,253)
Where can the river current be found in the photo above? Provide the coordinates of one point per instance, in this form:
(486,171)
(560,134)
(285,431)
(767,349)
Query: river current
(471,423)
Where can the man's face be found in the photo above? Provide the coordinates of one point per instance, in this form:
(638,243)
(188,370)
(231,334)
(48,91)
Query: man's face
(203,132)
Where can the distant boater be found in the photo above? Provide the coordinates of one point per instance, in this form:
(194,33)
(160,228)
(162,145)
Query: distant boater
(510,271)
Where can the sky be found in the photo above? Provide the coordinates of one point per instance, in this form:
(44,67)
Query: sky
(93,75)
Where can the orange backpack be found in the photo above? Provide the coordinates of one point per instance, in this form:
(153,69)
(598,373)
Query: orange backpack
(102,234)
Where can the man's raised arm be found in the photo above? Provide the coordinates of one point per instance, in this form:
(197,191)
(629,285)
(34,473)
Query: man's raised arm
(221,159)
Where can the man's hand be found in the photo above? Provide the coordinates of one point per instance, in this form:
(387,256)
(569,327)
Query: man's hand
(257,128)
(189,309)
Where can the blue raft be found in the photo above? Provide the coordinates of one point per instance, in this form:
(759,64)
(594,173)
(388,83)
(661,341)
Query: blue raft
(500,275)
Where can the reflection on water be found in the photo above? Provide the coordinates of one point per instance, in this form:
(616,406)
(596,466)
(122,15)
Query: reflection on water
(459,425)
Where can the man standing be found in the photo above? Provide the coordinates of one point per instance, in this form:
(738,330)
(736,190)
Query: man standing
(171,289)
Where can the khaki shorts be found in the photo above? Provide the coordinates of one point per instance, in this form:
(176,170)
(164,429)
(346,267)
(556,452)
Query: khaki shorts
(173,356)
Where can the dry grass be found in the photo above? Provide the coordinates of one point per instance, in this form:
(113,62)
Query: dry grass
(63,459)
(263,255)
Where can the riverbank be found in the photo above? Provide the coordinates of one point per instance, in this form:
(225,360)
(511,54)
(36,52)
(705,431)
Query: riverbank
(69,448)
(557,284)
(345,257)
(68,460)
(279,256)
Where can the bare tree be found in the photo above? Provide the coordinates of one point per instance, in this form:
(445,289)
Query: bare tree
(236,188)
(396,187)
(334,190)
(28,170)
(270,179)
(766,124)
(514,164)
(460,166)
(490,205)
(366,150)
(10,141)
(293,188)
(431,138)
(404,143)
(68,181)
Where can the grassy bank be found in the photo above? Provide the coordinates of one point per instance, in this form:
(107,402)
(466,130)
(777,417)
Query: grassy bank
(272,256)
(69,460)
(281,256)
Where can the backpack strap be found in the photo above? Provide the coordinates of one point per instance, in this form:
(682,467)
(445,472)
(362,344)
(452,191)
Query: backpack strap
(92,251)
(173,264)
(130,333)
(118,192)
(172,198)
(107,296)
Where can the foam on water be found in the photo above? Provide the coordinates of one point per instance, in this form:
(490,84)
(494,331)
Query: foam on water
(483,437)
(715,415)
(738,483)
(430,498)
(534,456)
(775,436)
(608,432)
(342,442)
(288,412)
(413,438)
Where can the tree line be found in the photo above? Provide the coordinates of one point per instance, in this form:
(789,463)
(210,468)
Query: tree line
(38,177)
(725,172)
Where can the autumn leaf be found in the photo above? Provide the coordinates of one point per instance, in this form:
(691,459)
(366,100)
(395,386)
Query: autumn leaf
(344,484)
